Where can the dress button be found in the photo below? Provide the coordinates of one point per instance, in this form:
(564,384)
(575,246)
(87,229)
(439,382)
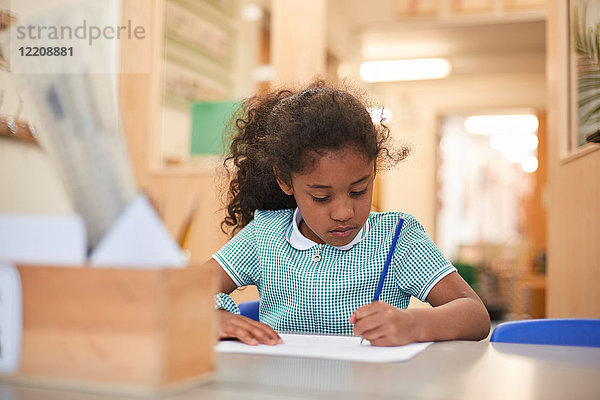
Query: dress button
(316,258)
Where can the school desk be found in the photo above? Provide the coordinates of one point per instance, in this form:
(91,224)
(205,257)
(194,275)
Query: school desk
(448,370)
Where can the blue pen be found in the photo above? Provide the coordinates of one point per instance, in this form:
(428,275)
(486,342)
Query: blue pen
(388,260)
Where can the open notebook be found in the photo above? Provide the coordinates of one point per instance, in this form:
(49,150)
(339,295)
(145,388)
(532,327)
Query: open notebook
(329,347)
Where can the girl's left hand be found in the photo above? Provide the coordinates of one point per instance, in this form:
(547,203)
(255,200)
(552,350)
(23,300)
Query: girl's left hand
(383,324)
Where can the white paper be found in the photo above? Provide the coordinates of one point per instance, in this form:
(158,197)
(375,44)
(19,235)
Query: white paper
(329,347)
(42,239)
(138,239)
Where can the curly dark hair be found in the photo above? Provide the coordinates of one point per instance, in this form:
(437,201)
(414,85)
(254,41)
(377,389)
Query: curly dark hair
(286,129)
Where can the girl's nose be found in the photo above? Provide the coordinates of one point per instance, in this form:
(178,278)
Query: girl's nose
(342,210)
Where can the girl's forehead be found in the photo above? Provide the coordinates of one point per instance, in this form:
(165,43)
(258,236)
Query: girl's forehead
(332,162)
(343,155)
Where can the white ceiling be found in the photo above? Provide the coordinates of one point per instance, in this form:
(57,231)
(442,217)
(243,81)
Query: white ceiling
(505,46)
(505,41)
(498,48)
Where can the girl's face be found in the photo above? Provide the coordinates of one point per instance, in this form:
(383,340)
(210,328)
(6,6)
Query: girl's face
(334,197)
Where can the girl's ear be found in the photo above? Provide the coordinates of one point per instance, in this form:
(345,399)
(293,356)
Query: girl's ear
(287,188)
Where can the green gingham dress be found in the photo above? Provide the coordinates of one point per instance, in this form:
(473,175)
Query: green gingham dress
(310,287)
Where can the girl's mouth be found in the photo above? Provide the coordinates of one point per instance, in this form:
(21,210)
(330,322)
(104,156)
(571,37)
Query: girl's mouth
(342,231)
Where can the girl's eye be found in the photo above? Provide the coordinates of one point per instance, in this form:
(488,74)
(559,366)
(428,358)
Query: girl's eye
(320,199)
(359,192)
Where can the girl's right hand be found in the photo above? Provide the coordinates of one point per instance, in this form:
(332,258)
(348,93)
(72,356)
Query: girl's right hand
(246,330)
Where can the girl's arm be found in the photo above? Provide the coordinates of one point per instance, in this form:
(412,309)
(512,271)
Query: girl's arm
(457,314)
(236,326)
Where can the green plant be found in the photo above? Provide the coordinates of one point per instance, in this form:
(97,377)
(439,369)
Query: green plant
(586,37)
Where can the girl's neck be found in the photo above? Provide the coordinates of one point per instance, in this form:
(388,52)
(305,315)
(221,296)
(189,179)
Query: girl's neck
(307,233)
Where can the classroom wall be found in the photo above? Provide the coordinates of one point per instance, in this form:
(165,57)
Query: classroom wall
(410,186)
(574,193)
(31,182)
(298,39)
(174,191)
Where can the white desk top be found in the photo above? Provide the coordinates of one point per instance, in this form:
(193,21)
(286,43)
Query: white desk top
(447,370)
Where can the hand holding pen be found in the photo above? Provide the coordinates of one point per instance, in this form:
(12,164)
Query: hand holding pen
(371,319)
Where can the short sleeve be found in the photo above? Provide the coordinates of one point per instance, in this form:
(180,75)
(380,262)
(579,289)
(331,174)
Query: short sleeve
(239,257)
(224,302)
(420,264)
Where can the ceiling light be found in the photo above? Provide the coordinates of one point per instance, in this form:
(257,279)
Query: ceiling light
(263,73)
(251,12)
(530,164)
(404,70)
(501,124)
(515,156)
(525,142)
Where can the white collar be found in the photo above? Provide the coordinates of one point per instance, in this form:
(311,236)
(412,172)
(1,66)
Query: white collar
(301,242)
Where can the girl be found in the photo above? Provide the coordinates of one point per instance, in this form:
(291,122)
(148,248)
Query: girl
(300,198)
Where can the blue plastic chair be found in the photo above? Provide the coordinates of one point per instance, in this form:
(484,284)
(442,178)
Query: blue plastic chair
(561,332)
(250,309)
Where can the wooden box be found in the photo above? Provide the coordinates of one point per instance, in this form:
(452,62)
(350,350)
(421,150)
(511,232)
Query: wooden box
(118,330)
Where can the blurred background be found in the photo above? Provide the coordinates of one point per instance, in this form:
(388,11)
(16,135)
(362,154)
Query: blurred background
(513,203)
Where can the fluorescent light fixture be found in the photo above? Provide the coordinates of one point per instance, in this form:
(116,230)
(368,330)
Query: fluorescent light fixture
(515,147)
(251,12)
(380,114)
(515,156)
(501,124)
(530,164)
(524,142)
(263,73)
(404,70)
